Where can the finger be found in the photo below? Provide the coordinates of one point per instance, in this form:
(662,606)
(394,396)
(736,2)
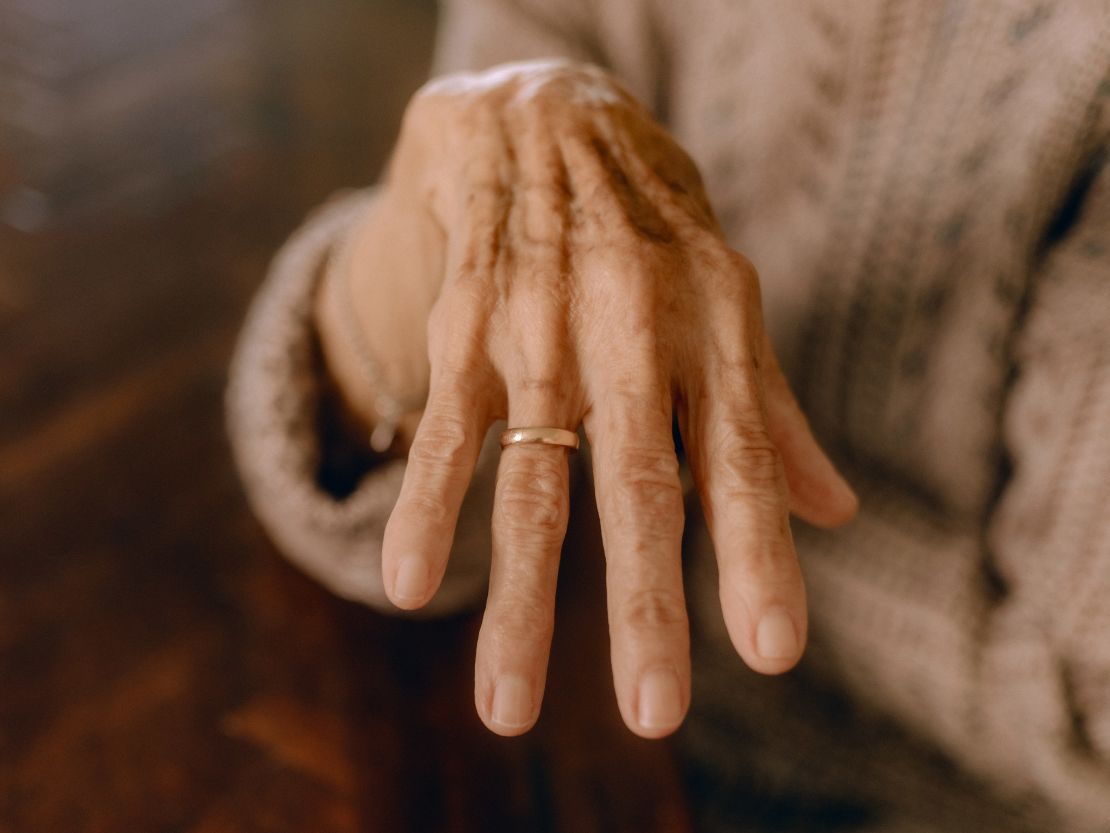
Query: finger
(530,510)
(441,462)
(818,493)
(740,478)
(640,504)
(462,392)
(531,502)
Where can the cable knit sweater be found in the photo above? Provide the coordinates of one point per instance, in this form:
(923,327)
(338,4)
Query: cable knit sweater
(924,187)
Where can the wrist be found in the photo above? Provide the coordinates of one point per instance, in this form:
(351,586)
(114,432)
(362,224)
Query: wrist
(369,380)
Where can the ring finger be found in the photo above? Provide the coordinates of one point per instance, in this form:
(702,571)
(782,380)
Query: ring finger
(531,505)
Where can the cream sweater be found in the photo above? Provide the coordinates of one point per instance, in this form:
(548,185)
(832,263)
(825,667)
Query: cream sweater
(923,185)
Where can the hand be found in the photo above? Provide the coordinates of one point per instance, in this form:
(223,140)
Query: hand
(586,281)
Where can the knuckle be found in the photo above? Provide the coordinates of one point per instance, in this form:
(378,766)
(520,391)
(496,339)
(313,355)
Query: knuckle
(462,298)
(776,568)
(739,265)
(747,460)
(737,365)
(757,461)
(651,465)
(752,476)
(460,370)
(427,506)
(728,262)
(439,443)
(455,348)
(528,517)
(533,501)
(647,484)
(522,620)
(770,567)
(736,283)
(653,610)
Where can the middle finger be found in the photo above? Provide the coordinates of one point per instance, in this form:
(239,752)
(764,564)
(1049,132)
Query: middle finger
(639,496)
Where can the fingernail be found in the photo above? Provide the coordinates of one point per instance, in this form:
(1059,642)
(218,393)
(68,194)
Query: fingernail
(411,582)
(841,489)
(512,702)
(776,636)
(846,491)
(660,699)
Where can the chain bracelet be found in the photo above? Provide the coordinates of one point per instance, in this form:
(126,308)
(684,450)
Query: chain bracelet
(388,409)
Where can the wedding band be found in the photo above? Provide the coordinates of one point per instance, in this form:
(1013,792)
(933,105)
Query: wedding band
(547,436)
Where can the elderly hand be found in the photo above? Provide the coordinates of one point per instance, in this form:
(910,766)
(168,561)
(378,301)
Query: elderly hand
(585,281)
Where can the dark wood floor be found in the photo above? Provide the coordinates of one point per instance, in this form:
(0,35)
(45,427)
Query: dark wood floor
(161,668)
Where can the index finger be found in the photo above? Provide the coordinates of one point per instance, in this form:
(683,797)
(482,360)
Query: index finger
(441,462)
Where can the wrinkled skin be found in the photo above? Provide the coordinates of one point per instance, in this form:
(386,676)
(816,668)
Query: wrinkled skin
(582,279)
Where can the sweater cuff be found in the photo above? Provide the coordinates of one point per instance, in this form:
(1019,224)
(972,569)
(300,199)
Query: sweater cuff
(273,408)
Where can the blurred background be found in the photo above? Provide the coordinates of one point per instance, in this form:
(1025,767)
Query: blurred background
(161,668)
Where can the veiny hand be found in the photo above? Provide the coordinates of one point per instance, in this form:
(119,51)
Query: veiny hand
(586,281)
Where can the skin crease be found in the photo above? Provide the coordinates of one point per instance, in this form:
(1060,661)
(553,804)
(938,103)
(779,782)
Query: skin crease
(570,271)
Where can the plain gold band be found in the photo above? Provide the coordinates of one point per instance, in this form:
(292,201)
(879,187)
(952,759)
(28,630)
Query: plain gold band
(546,436)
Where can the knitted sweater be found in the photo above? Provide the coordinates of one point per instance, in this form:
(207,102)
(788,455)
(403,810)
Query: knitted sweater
(924,188)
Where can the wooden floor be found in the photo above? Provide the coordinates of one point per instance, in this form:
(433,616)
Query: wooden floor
(161,667)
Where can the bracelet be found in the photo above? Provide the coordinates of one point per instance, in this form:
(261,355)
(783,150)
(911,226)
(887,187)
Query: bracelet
(388,409)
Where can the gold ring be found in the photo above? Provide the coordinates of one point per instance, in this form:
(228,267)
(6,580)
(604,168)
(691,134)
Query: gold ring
(547,436)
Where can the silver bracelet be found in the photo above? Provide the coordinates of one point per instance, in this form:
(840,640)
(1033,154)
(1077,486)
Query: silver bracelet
(388,409)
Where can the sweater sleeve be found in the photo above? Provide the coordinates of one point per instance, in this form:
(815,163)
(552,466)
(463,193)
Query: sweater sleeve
(988,639)
(274,424)
(994,639)
(1046,656)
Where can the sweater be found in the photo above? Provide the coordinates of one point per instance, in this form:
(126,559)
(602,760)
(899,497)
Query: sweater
(923,186)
